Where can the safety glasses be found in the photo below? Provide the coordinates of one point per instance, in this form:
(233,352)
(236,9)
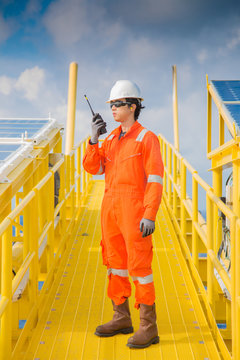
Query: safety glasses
(119,103)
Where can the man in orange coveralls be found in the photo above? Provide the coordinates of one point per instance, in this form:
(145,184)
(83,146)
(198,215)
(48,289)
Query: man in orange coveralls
(131,159)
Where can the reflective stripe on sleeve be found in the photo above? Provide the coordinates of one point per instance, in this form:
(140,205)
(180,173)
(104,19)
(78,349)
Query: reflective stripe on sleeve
(155,178)
(143,280)
(111,137)
(141,135)
(119,272)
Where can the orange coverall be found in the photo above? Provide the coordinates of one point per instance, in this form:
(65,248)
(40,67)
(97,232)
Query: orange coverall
(133,189)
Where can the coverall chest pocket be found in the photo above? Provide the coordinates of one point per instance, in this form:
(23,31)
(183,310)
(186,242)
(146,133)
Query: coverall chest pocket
(131,157)
(131,168)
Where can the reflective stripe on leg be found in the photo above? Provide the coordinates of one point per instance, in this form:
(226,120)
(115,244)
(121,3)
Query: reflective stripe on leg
(145,293)
(119,272)
(143,280)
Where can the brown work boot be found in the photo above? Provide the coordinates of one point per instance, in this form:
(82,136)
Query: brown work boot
(121,322)
(148,332)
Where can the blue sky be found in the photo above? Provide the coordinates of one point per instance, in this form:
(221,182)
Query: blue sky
(136,39)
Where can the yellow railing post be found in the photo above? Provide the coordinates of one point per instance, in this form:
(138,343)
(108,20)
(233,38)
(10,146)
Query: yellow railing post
(235,256)
(237,281)
(72,182)
(68,173)
(183,197)
(62,194)
(6,291)
(175,202)
(234,267)
(50,190)
(210,266)
(79,176)
(165,165)
(194,221)
(169,165)
(83,172)
(33,272)
(26,219)
(209,120)
(221,130)
(217,189)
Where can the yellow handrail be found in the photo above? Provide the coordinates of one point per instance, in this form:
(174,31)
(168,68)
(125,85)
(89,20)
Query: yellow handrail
(197,236)
(43,243)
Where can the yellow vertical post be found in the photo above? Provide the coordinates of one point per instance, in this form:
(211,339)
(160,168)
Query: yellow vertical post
(72,182)
(50,190)
(175,183)
(62,195)
(209,120)
(210,266)
(33,275)
(58,147)
(161,143)
(221,130)
(68,173)
(169,165)
(195,220)
(83,172)
(72,91)
(217,225)
(68,186)
(235,256)
(183,197)
(234,267)
(237,280)
(6,291)
(79,176)
(27,218)
(175,108)
(165,165)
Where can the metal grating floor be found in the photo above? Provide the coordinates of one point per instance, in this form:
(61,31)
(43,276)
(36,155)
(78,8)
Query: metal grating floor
(78,303)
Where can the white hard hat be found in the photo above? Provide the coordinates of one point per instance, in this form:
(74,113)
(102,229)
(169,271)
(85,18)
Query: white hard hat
(125,89)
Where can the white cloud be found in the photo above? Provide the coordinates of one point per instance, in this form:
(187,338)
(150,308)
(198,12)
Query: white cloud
(67,21)
(6,85)
(30,82)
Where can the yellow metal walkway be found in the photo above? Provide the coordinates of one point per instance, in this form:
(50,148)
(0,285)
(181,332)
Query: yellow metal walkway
(77,301)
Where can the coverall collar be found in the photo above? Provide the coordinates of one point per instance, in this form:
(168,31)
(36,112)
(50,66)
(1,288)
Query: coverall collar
(133,128)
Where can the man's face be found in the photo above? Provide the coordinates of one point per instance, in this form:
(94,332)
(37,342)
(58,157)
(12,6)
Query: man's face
(124,111)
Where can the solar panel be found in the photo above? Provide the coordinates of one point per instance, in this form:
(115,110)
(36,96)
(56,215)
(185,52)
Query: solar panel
(229,93)
(7,149)
(228,90)
(17,139)
(18,128)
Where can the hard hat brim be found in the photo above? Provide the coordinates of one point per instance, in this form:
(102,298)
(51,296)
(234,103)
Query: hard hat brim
(125,97)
